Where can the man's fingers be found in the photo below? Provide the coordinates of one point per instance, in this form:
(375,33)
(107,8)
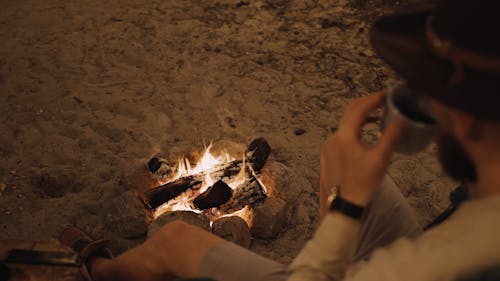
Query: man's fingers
(391,136)
(357,112)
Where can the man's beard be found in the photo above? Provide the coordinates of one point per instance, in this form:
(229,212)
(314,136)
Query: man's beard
(454,159)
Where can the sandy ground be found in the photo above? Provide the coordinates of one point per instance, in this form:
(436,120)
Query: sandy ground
(89,90)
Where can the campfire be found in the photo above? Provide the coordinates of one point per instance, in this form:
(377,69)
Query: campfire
(218,186)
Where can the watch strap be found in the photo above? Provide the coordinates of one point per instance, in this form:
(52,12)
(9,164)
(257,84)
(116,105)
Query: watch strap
(347,208)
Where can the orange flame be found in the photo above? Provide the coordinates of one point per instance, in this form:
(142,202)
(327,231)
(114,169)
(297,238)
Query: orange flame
(207,162)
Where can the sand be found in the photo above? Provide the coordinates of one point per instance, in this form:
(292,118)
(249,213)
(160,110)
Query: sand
(90,90)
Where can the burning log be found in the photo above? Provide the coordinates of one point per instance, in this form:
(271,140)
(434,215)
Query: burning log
(257,153)
(159,195)
(216,195)
(247,193)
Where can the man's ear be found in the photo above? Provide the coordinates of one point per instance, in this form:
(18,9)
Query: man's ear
(465,126)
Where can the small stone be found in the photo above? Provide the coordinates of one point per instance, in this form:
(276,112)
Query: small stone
(189,217)
(233,229)
(281,182)
(327,23)
(242,3)
(84,143)
(3,186)
(56,185)
(268,218)
(128,218)
(299,132)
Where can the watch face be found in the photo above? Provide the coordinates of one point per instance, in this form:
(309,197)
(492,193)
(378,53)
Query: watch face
(333,194)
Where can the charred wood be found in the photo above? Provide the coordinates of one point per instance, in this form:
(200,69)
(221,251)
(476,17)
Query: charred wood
(216,195)
(245,194)
(155,197)
(161,168)
(154,164)
(257,153)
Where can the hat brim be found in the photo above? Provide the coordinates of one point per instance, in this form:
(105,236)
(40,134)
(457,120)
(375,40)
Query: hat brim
(400,40)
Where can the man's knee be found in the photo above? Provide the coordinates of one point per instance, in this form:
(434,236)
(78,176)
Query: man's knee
(182,246)
(180,231)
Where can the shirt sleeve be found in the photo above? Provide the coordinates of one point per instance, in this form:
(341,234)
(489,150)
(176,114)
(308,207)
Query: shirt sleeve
(328,254)
(463,245)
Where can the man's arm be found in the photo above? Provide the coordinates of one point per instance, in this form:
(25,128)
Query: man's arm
(358,169)
(327,255)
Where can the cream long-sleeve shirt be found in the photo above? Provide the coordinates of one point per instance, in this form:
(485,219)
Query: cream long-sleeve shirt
(465,244)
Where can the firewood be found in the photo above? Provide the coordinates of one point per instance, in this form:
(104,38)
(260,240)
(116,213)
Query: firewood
(216,195)
(155,197)
(154,164)
(245,194)
(256,155)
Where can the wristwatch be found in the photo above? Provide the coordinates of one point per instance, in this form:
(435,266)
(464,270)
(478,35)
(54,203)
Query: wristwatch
(339,204)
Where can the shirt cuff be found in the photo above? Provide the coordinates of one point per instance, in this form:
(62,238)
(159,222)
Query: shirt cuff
(328,254)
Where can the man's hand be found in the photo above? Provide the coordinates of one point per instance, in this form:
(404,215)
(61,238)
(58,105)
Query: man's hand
(346,161)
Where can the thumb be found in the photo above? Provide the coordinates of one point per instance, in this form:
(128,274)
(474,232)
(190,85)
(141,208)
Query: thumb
(391,136)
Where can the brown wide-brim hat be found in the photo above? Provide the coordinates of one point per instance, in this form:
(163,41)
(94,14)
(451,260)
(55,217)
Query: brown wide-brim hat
(402,40)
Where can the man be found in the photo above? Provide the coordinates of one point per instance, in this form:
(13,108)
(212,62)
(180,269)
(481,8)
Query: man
(452,54)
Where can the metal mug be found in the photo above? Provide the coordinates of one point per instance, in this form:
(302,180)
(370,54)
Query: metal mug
(402,102)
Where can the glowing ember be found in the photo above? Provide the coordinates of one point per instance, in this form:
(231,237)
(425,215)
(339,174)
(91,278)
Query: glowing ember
(243,213)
